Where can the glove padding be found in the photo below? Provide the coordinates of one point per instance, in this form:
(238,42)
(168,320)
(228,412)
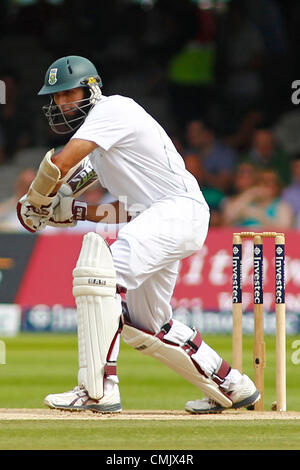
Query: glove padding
(64,211)
(33,218)
(67,212)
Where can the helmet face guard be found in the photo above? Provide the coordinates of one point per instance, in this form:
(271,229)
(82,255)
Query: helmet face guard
(64,122)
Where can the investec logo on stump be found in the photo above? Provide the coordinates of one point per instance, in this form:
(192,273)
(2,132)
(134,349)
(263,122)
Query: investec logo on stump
(279,267)
(258,274)
(237,274)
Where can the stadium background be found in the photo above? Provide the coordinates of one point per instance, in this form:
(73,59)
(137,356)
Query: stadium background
(182,61)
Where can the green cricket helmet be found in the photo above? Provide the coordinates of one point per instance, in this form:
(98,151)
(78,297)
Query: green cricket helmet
(64,74)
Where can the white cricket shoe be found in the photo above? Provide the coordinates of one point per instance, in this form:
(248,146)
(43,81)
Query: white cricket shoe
(242,395)
(78,399)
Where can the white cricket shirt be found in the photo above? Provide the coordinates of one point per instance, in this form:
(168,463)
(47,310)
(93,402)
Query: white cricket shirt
(135,159)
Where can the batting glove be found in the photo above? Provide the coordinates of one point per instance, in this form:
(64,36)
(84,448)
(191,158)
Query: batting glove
(68,212)
(33,218)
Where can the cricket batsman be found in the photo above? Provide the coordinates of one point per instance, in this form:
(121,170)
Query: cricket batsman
(167,220)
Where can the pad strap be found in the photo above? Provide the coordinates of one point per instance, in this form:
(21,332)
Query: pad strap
(193,344)
(220,375)
(190,346)
(164,330)
(110,367)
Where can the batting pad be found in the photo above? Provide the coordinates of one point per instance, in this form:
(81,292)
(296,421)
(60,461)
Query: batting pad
(176,358)
(98,314)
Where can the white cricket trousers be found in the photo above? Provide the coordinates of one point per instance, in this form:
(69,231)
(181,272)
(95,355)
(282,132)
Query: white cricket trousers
(147,254)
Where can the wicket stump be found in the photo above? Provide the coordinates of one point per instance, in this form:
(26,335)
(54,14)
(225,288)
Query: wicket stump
(259,354)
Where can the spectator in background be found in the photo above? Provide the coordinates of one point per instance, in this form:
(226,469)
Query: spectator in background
(291,194)
(8,214)
(213,196)
(259,206)
(218,160)
(15,118)
(266,153)
(241,138)
(245,178)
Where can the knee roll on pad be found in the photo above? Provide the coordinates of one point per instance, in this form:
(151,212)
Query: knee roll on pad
(176,354)
(98,314)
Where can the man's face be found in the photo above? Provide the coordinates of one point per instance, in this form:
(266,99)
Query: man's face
(65,99)
(264,143)
(197,136)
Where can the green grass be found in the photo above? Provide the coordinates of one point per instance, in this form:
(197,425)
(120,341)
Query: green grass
(146,435)
(47,363)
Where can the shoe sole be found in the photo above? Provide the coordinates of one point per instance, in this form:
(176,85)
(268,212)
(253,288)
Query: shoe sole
(105,408)
(218,409)
(116,408)
(215,410)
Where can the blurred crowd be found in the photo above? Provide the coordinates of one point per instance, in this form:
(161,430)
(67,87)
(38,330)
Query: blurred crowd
(218,80)
(258,188)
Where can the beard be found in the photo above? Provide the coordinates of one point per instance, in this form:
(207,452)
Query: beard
(67,118)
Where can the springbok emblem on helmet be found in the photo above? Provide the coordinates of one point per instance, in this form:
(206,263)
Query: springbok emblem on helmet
(52,76)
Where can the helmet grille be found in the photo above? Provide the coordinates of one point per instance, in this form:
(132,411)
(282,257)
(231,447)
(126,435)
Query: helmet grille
(64,123)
